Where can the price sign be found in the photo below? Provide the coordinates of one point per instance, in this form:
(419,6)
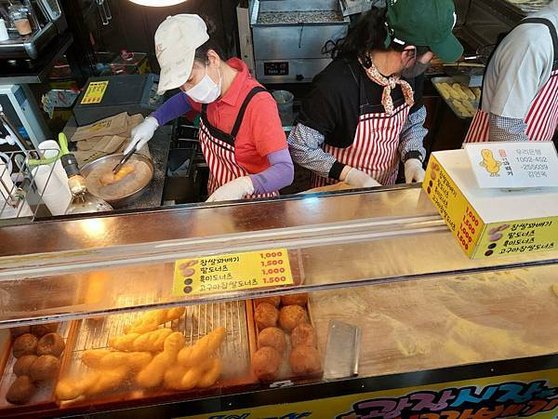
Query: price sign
(95,92)
(514,165)
(232,272)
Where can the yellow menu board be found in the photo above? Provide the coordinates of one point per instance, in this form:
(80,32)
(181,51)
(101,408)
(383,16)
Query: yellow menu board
(232,272)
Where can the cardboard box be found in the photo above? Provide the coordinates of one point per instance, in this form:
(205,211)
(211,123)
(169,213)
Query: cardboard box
(490,222)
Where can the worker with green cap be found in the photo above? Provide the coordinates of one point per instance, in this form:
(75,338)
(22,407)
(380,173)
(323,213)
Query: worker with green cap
(364,113)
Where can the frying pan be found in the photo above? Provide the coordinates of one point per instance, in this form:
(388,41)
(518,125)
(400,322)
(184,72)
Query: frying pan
(125,190)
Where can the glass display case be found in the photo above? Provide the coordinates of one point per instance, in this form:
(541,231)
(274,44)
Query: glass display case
(191,312)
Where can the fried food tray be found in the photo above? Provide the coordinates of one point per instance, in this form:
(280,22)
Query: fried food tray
(285,376)
(197,321)
(44,396)
(463,107)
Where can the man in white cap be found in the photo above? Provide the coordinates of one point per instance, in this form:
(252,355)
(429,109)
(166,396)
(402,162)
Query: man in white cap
(240,130)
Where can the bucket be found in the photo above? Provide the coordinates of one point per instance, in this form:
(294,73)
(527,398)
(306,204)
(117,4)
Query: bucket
(284,100)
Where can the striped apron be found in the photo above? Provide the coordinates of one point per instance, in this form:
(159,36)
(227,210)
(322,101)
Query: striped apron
(375,146)
(218,149)
(542,117)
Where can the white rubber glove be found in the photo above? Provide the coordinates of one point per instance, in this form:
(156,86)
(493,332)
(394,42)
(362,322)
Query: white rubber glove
(235,189)
(142,133)
(358,178)
(414,171)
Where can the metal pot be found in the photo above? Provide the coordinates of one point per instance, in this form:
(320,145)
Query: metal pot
(125,191)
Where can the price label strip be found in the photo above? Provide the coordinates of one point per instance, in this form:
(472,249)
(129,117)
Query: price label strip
(232,272)
(95,92)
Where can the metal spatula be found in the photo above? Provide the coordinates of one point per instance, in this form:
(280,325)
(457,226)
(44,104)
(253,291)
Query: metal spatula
(342,350)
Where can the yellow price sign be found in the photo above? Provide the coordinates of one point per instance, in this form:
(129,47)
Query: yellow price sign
(232,272)
(95,92)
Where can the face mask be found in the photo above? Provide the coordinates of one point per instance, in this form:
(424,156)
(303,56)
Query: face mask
(206,91)
(415,70)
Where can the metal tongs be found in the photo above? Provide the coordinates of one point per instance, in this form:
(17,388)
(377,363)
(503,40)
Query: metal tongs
(123,160)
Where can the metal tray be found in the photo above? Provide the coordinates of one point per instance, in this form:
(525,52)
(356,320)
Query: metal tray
(197,321)
(451,102)
(44,396)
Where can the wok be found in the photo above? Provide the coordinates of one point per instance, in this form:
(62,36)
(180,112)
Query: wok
(124,191)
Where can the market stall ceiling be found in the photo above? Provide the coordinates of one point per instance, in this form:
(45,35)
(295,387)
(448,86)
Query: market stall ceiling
(157,3)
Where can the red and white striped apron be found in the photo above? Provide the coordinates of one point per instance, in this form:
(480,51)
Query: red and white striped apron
(542,117)
(218,150)
(374,149)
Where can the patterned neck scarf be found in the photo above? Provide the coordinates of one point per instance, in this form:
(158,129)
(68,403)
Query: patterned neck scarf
(389,83)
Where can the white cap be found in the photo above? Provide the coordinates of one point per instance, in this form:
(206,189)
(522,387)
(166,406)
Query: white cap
(176,41)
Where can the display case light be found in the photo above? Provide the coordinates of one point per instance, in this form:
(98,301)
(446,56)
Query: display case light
(157,3)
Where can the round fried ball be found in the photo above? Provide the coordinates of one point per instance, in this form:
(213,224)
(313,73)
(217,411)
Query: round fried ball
(23,364)
(266,315)
(291,316)
(51,344)
(298,299)
(305,360)
(21,391)
(42,329)
(25,345)
(18,331)
(265,363)
(274,301)
(45,367)
(304,335)
(274,337)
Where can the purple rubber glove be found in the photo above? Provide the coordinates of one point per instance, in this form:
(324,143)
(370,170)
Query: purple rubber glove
(174,107)
(277,176)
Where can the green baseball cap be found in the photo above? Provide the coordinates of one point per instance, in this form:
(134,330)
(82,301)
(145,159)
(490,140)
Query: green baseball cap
(425,23)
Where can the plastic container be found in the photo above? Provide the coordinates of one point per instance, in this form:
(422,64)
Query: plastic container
(284,100)
(18,15)
(51,180)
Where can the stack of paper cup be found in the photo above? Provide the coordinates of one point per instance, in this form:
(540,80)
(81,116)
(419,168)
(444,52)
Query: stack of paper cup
(52,181)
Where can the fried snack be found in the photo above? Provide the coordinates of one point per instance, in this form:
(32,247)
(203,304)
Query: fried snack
(173,377)
(123,342)
(42,329)
(147,342)
(291,316)
(298,299)
(191,378)
(72,387)
(304,335)
(44,368)
(23,364)
(104,359)
(266,315)
(265,363)
(25,345)
(21,390)
(110,178)
(211,374)
(191,356)
(107,380)
(273,337)
(51,344)
(305,360)
(274,301)
(153,373)
(152,319)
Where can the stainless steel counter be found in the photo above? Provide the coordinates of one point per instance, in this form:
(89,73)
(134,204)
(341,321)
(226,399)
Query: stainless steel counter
(75,268)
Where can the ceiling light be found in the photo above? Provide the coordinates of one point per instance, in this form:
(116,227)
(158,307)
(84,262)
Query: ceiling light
(157,3)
